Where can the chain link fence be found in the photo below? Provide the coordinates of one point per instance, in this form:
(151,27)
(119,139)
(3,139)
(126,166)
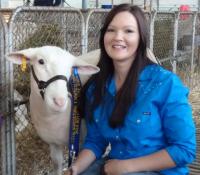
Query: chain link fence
(164,37)
(94,23)
(173,37)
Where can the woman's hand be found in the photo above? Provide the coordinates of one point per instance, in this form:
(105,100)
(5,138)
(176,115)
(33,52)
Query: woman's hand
(71,171)
(83,161)
(113,167)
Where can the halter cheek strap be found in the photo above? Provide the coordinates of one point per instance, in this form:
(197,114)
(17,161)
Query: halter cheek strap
(42,85)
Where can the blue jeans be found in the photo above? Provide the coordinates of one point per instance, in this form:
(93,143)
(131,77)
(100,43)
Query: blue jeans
(95,169)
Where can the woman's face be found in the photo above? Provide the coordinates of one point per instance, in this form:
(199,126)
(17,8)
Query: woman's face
(122,38)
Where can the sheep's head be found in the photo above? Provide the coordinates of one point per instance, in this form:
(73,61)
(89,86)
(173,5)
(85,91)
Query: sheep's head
(48,62)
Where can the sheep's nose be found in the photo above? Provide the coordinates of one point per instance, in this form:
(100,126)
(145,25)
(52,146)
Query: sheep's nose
(59,101)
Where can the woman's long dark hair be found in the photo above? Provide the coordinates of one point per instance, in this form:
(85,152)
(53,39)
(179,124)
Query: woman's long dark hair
(126,94)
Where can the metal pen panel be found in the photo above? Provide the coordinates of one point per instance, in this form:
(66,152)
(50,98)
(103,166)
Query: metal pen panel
(5,144)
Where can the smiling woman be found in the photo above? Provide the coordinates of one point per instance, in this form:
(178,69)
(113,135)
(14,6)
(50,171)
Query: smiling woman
(135,105)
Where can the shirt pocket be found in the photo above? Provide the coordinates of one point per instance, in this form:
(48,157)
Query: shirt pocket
(140,117)
(139,127)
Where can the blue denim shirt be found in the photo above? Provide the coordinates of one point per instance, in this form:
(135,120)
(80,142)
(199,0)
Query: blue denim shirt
(160,117)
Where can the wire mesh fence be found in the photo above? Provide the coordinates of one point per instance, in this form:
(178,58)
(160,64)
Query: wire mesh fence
(173,37)
(94,23)
(163,36)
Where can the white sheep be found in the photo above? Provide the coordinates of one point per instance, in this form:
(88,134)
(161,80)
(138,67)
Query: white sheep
(51,114)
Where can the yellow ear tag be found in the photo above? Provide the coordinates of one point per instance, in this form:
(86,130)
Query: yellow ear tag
(23,65)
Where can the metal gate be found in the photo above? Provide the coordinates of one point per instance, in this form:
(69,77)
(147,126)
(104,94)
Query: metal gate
(174,38)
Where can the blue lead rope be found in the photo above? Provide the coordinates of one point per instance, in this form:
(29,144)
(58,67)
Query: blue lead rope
(75,122)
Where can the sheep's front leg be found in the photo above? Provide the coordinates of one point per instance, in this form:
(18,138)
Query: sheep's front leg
(56,152)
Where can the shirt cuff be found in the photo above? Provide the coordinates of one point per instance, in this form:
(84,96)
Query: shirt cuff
(98,154)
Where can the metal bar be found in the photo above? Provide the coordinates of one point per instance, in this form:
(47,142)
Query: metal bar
(151,32)
(178,58)
(175,41)
(158,5)
(83,34)
(2,102)
(10,132)
(193,47)
(145,3)
(132,1)
(198,5)
(151,5)
(84,4)
(97,4)
(8,147)
(86,30)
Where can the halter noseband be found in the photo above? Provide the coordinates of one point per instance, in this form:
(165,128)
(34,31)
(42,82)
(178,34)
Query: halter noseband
(42,85)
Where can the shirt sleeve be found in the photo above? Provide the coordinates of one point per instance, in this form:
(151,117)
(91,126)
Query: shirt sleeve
(178,123)
(94,140)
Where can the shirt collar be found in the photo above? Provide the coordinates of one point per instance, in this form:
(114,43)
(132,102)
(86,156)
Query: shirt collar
(111,86)
(146,74)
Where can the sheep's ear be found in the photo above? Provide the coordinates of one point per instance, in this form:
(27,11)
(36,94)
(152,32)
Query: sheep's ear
(85,68)
(16,57)
(91,57)
(88,69)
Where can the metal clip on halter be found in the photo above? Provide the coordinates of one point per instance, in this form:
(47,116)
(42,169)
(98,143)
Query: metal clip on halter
(42,86)
(72,154)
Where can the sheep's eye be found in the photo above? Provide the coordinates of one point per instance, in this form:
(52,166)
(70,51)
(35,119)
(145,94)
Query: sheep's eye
(41,61)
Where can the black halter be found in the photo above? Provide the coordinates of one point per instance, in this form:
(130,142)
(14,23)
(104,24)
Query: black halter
(43,84)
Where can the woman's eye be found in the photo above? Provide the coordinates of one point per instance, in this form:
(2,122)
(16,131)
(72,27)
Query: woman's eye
(129,31)
(41,61)
(110,30)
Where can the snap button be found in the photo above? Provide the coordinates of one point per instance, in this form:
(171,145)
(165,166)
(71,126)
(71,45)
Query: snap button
(138,120)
